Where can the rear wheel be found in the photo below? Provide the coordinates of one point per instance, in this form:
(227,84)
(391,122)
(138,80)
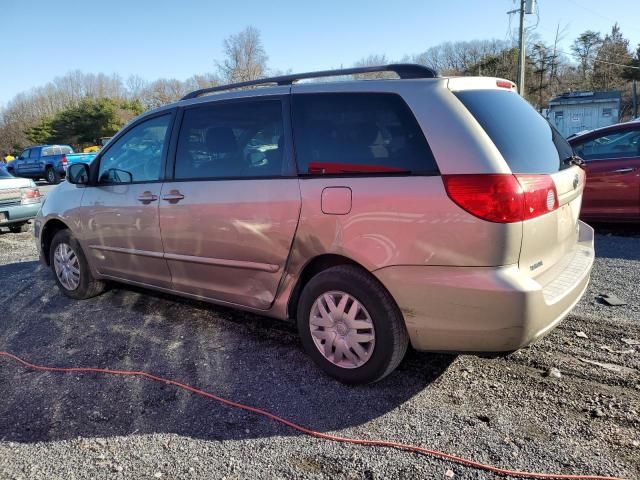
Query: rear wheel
(71,269)
(52,176)
(350,326)
(19,227)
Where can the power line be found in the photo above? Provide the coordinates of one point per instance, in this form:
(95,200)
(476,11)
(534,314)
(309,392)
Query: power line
(600,61)
(590,10)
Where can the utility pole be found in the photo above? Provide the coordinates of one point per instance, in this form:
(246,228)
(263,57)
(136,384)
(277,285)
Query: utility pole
(527,7)
(521,52)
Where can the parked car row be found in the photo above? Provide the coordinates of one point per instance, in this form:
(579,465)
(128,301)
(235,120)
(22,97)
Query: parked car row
(219,206)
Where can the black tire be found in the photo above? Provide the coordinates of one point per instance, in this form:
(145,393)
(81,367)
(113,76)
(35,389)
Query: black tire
(88,286)
(19,227)
(51,176)
(391,338)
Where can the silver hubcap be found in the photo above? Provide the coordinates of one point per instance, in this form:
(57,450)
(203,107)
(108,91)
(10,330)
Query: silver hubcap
(67,266)
(342,329)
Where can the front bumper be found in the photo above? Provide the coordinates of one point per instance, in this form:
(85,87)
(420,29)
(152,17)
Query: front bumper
(486,309)
(18,213)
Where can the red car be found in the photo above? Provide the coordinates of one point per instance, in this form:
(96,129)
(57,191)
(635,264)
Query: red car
(612,157)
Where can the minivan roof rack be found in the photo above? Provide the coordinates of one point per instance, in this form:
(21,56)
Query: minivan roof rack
(403,70)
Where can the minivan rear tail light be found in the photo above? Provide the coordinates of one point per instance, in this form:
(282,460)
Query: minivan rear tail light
(64,161)
(503,198)
(540,195)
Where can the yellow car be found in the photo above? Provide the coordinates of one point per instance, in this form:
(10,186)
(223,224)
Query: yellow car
(8,159)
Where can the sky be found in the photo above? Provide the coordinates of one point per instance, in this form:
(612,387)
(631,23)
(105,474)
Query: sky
(43,39)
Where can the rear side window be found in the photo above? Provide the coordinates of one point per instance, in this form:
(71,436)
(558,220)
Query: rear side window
(231,140)
(358,133)
(528,143)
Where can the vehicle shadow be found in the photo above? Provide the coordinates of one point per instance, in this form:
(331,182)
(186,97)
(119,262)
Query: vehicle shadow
(617,240)
(239,356)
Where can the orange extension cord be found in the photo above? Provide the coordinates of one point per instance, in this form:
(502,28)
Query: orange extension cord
(312,433)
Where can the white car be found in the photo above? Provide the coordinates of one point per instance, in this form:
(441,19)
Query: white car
(20,201)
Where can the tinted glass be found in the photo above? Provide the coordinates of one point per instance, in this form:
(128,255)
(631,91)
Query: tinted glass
(358,133)
(4,173)
(24,154)
(231,140)
(137,156)
(528,143)
(620,144)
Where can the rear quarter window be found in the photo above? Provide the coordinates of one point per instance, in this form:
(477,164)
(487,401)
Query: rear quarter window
(528,143)
(358,133)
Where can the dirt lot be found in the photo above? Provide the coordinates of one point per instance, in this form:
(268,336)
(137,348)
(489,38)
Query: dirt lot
(505,411)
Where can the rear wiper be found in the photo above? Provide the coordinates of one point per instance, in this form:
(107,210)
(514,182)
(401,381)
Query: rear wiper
(574,160)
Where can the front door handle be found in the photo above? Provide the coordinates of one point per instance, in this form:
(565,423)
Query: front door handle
(173,196)
(147,197)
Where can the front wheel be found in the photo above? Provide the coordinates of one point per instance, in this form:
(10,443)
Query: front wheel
(71,269)
(350,325)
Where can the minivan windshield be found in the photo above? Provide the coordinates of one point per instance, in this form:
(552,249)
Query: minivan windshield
(528,143)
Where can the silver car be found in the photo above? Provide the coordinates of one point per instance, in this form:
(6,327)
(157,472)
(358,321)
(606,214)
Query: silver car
(436,212)
(20,201)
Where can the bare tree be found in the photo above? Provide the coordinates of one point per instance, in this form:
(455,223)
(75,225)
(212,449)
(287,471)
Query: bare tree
(135,86)
(162,91)
(245,59)
(202,81)
(455,58)
(373,61)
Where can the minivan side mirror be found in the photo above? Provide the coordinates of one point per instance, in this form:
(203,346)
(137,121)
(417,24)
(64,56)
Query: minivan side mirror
(78,173)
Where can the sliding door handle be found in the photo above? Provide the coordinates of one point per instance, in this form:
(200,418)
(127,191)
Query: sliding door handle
(147,197)
(623,170)
(173,196)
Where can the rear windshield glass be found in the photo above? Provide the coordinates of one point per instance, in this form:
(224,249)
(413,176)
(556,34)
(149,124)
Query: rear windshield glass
(56,150)
(528,143)
(4,173)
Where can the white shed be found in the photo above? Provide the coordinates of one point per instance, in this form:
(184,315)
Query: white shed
(575,112)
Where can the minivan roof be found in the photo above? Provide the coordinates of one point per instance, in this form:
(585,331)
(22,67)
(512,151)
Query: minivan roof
(403,70)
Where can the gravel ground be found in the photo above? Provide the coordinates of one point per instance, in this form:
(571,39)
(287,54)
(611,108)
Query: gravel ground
(505,411)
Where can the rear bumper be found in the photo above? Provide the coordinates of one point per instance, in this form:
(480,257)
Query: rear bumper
(18,213)
(492,309)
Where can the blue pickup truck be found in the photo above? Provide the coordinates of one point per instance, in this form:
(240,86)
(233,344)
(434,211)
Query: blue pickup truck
(47,161)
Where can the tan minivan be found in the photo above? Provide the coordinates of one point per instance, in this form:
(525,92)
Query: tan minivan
(437,211)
